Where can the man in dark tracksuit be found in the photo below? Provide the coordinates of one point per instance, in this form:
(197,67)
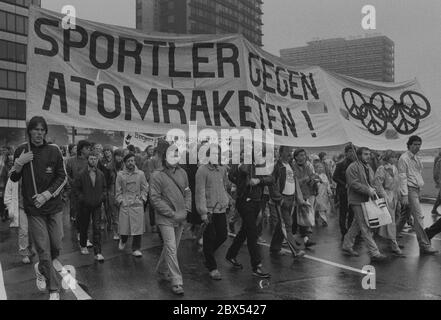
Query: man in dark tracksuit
(345,215)
(249,204)
(43,206)
(90,188)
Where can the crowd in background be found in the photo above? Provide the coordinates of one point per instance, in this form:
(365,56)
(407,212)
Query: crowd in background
(129,191)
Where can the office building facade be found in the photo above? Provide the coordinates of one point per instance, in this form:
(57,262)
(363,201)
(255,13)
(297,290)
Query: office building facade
(370,58)
(13,51)
(202,17)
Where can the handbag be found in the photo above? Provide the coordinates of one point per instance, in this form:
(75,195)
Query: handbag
(375,213)
(305,216)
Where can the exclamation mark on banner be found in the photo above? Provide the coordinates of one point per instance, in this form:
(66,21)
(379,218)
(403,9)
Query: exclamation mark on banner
(308,119)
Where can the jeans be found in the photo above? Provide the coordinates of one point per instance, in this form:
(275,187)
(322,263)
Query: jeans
(249,212)
(83,217)
(46,232)
(24,241)
(418,218)
(136,242)
(214,236)
(168,261)
(286,212)
(359,225)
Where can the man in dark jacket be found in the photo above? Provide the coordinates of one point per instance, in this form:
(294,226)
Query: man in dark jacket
(249,204)
(345,215)
(286,194)
(74,166)
(41,187)
(360,178)
(90,189)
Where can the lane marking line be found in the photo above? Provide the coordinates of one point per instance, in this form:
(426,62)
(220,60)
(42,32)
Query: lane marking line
(334,264)
(2,285)
(71,282)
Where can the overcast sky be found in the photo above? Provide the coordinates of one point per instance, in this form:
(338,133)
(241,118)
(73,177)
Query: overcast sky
(414,26)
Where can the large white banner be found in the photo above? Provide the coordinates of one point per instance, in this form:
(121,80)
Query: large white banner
(115,78)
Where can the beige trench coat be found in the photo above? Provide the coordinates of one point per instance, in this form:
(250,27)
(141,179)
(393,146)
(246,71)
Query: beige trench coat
(387,184)
(131,190)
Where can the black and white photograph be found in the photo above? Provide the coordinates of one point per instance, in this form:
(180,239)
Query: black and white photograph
(221,155)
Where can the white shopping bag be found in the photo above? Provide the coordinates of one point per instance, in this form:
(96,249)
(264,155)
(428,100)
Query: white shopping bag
(376,213)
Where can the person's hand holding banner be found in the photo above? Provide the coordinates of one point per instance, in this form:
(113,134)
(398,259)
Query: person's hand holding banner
(41,198)
(23,159)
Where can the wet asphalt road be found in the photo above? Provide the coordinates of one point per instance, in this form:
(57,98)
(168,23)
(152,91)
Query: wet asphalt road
(325,273)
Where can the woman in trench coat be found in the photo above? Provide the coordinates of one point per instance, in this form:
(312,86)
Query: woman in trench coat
(131,190)
(387,183)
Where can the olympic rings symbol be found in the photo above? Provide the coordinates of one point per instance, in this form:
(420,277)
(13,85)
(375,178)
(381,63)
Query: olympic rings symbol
(375,115)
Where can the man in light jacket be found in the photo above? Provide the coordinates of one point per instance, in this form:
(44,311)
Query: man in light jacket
(410,169)
(212,202)
(360,178)
(170,196)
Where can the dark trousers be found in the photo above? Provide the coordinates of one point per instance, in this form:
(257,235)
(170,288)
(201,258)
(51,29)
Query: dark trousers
(214,236)
(84,215)
(3,210)
(434,229)
(437,202)
(46,233)
(151,215)
(346,214)
(136,242)
(249,212)
(74,208)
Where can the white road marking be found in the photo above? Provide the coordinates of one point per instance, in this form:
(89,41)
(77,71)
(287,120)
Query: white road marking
(338,265)
(70,281)
(2,286)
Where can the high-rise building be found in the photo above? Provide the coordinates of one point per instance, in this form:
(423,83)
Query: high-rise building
(202,17)
(370,58)
(13,50)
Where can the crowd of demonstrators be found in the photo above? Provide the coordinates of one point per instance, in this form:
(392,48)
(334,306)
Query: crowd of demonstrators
(123,187)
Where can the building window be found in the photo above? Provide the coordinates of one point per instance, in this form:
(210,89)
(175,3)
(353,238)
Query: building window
(13,23)
(13,52)
(12,109)
(171,19)
(12,80)
(23,3)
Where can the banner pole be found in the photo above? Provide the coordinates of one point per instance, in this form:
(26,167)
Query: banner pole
(32,170)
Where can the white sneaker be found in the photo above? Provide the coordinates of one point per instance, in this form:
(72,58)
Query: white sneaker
(137,253)
(78,236)
(115,237)
(89,244)
(26,260)
(121,245)
(99,257)
(41,280)
(84,250)
(54,296)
